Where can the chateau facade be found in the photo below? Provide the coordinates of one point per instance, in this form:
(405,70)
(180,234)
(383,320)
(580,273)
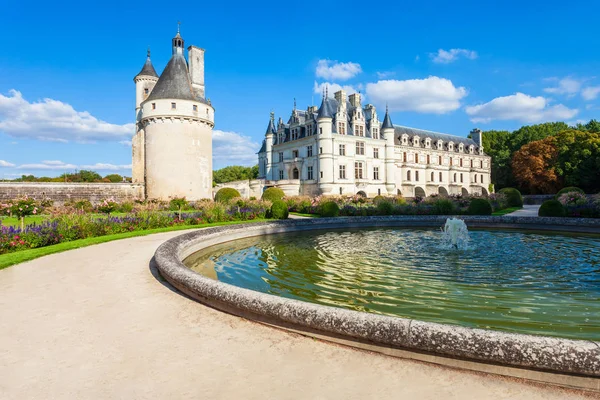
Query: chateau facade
(172,146)
(344,148)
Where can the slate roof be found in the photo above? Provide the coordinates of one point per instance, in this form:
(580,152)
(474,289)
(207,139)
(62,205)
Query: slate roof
(174,82)
(387,121)
(263,148)
(422,134)
(148,69)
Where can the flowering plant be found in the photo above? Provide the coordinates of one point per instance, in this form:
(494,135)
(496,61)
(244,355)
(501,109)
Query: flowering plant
(107,206)
(573,199)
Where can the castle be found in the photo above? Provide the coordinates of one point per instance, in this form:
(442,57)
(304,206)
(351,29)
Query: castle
(343,148)
(172,146)
(340,148)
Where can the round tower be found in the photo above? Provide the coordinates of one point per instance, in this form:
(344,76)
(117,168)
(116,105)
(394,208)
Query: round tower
(388,132)
(144,83)
(325,146)
(177,123)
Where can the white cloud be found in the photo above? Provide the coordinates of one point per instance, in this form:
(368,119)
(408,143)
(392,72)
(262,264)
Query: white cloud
(106,167)
(6,164)
(447,56)
(431,95)
(49,165)
(54,120)
(334,70)
(319,88)
(590,92)
(568,86)
(231,148)
(520,107)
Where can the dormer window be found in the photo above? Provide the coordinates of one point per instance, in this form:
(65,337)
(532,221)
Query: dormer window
(427,143)
(415,141)
(460,147)
(440,144)
(375,133)
(404,140)
(450,146)
(471,149)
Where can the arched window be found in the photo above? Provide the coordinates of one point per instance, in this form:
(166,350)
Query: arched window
(461,178)
(428,159)
(461,162)
(481,178)
(417,176)
(440,177)
(455,177)
(296,173)
(404,157)
(475,178)
(432,176)
(408,175)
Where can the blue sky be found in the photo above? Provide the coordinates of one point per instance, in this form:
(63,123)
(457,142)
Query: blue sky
(66,69)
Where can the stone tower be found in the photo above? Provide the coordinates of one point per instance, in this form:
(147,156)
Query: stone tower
(172,149)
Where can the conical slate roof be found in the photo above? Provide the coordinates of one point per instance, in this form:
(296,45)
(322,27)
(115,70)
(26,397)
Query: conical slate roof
(271,127)
(148,69)
(327,110)
(263,148)
(387,121)
(174,82)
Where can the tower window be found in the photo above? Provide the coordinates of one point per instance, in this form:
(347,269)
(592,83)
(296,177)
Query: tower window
(146,91)
(173,106)
(154,106)
(195,107)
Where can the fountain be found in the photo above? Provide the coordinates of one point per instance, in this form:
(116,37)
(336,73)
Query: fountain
(455,234)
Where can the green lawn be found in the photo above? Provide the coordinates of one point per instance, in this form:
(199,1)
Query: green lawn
(6,260)
(506,211)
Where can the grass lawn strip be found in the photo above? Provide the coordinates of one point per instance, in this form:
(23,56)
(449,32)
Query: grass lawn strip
(506,211)
(6,260)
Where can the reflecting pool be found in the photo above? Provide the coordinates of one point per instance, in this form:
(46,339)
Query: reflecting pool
(517,281)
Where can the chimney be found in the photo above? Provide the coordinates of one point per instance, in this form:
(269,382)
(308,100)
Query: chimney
(196,68)
(354,99)
(477,137)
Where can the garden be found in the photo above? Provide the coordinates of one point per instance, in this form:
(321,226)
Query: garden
(27,223)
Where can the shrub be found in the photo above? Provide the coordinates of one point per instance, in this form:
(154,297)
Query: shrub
(272,194)
(83,205)
(178,204)
(107,206)
(552,208)
(498,201)
(279,210)
(126,207)
(568,190)
(46,202)
(378,199)
(444,206)
(513,197)
(329,209)
(572,199)
(480,207)
(385,208)
(226,194)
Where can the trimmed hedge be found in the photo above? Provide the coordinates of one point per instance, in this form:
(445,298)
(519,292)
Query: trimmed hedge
(385,208)
(329,209)
(279,210)
(480,207)
(513,197)
(226,194)
(444,206)
(272,194)
(567,190)
(552,208)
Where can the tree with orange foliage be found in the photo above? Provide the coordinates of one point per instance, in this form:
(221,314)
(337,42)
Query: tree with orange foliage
(533,166)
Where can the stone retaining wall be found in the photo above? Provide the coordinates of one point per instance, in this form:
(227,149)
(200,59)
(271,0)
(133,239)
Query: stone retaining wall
(539,353)
(62,192)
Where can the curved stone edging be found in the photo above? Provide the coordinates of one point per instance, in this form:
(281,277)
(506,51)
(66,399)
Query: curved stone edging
(537,352)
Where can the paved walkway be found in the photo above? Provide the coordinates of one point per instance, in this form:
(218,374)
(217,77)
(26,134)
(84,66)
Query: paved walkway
(96,323)
(526,211)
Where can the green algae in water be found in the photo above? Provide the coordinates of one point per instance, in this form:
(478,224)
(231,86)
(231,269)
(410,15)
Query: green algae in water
(525,282)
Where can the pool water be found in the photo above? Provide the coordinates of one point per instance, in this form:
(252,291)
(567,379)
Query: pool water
(516,281)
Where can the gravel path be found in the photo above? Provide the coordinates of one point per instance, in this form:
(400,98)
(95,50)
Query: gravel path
(96,323)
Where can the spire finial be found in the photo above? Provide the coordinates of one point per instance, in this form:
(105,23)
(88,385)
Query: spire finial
(294,103)
(386,107)
(326,91)
(178,26)
(272,115)
(148,52)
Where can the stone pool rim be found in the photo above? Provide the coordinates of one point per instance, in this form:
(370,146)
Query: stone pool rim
(541,353)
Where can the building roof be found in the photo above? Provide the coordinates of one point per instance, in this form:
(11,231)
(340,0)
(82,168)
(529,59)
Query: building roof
(263,148)
(404,130)
(271,127)
(387,121)
(148,68)
(328,108)
(174,82)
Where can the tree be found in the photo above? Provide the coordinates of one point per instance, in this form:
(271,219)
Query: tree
(593,126)
(235,173)
(579,159)
(533,166)
(496,144)
(531,133)
(114,178)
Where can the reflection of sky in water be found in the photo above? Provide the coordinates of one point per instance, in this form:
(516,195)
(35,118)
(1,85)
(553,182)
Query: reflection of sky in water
(508,280)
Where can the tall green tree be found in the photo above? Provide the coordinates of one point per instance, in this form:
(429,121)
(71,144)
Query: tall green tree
(579,159)
(497,145)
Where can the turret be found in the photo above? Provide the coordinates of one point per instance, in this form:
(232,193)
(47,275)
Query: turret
(269,139)
(325,145)
(388,133)
(144,82)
